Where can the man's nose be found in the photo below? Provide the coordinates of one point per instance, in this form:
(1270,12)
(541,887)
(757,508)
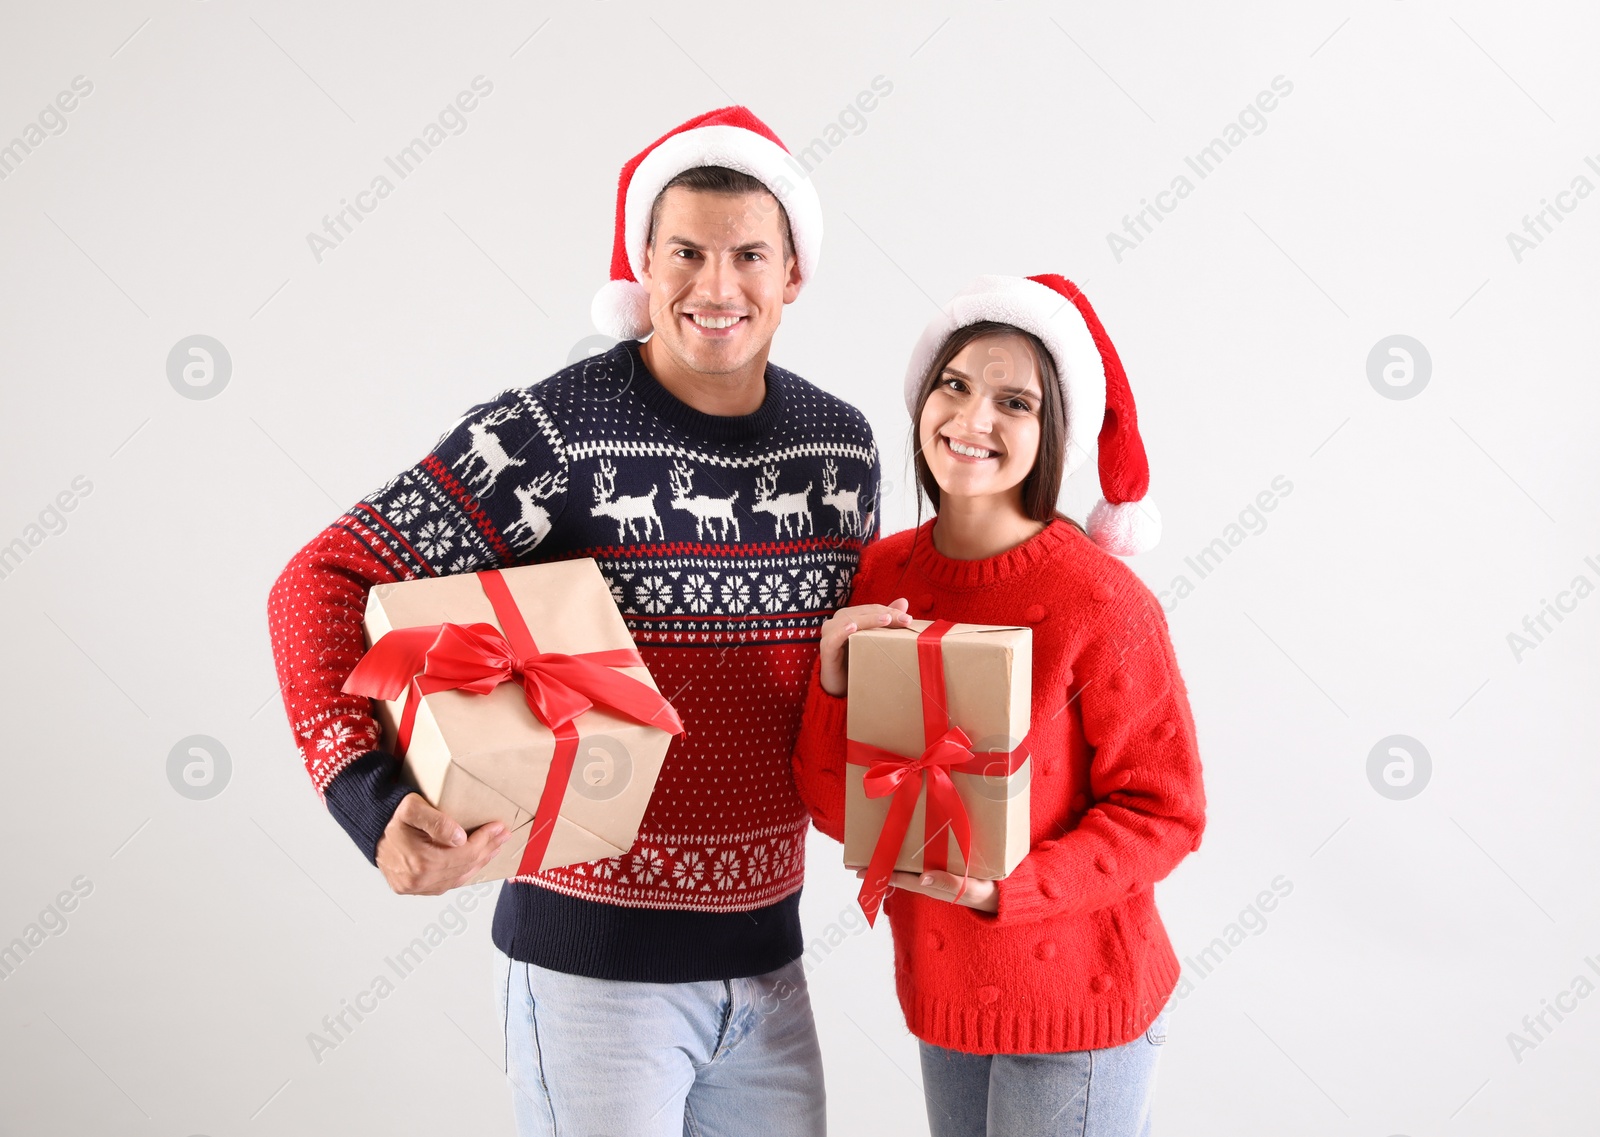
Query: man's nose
(716,282)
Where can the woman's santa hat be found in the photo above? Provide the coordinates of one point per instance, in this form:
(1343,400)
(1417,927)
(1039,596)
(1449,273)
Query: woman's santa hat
(731,137)
(1093,386)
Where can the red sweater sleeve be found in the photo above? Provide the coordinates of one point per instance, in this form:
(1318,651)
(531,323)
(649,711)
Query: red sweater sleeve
(1148,808)
(317,604)
(314,613)
(820,746)
(819,757)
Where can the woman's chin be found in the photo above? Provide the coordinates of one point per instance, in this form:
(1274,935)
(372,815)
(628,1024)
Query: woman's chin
(967,489)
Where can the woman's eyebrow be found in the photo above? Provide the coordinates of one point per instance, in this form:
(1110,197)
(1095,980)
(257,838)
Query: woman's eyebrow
(959,374)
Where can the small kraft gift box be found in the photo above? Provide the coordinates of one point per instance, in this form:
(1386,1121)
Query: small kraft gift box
(517,695)
(937,769)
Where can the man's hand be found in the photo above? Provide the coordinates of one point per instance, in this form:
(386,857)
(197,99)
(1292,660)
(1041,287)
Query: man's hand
(836,632)
(424,853)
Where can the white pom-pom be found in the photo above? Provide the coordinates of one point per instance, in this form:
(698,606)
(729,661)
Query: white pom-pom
(1125,529)
(621,310)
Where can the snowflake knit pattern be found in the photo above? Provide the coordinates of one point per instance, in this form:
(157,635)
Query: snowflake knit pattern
(726,540)
(1076,958)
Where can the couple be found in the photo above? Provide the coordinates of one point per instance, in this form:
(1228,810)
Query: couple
(733,508)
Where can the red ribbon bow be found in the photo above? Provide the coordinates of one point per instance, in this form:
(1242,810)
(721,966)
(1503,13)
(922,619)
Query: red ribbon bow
(479,657)
(947,750)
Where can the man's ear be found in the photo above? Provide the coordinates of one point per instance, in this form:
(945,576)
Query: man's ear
(791,285)
(644,271)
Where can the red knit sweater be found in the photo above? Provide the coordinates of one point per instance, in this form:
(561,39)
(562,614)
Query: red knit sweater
(1076,958)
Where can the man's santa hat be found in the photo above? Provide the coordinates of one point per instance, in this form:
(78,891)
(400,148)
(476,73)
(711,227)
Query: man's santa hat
(731,137)
(1093,386)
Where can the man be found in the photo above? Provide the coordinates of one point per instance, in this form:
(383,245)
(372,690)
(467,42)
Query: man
(726,500)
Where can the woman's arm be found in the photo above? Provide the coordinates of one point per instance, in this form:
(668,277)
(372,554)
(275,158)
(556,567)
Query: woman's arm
(1144,778)
(819,758)
(819,752)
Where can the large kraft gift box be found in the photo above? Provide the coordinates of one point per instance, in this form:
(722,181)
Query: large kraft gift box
(937,711)
(521,648)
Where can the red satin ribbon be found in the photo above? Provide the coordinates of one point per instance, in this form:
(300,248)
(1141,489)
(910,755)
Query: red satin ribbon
(947,749)
(479,657)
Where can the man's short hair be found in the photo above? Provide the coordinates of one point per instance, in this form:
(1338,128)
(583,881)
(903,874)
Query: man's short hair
(720,179)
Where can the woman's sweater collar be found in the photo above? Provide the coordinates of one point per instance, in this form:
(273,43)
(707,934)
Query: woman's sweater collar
(949,572)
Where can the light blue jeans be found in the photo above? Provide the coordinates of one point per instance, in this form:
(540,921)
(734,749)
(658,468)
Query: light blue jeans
(606,1058)
(1084,1093)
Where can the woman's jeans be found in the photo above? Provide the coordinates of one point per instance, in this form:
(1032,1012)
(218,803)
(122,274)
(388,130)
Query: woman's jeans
(606,1058)
(1085,1093)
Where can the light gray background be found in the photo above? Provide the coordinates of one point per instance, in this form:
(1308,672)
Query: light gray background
(1419,532)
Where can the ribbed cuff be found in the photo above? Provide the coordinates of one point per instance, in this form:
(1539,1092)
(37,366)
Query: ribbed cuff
(1057,882)
(363,797)
(1023,898)
(825,714)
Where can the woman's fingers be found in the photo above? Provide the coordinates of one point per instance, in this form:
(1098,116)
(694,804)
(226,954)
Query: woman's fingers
(980,894)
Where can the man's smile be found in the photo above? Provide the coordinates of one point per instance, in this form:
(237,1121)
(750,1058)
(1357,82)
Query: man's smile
(714,325)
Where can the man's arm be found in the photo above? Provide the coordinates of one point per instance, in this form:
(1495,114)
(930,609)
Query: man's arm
(434,519)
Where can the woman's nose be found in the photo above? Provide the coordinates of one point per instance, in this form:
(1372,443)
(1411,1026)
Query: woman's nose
(977,415)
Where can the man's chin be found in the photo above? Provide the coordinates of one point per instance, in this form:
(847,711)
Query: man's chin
(709,358)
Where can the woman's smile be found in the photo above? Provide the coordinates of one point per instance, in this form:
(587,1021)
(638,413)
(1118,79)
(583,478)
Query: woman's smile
(968,451)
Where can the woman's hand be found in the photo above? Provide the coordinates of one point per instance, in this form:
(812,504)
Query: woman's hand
(984,895)
(836,630)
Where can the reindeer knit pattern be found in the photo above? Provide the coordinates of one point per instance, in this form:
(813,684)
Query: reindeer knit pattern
(726,540)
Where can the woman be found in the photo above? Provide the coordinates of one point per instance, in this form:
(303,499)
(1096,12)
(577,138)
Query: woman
(1040,1000)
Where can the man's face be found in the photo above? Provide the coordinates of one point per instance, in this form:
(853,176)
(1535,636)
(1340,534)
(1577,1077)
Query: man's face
(715,258)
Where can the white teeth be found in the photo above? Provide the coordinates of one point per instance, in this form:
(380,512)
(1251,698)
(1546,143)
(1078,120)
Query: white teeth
(969,451)
(715,321)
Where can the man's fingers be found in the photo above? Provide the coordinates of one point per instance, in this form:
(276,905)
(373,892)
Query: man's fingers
(441,828)
(487,839)
(482,844)
(421,865)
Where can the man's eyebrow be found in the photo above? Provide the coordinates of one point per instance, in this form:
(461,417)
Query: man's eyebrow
(959,374)
(748,246)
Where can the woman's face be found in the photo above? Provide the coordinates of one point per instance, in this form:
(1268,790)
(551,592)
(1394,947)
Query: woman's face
(979,430)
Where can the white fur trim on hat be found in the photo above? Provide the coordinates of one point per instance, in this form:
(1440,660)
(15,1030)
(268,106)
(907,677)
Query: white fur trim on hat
(621,309)
(1125,529)
(1042,310)
(737,149)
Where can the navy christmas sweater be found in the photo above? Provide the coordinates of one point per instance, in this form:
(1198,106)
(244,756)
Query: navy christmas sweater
(727,540)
